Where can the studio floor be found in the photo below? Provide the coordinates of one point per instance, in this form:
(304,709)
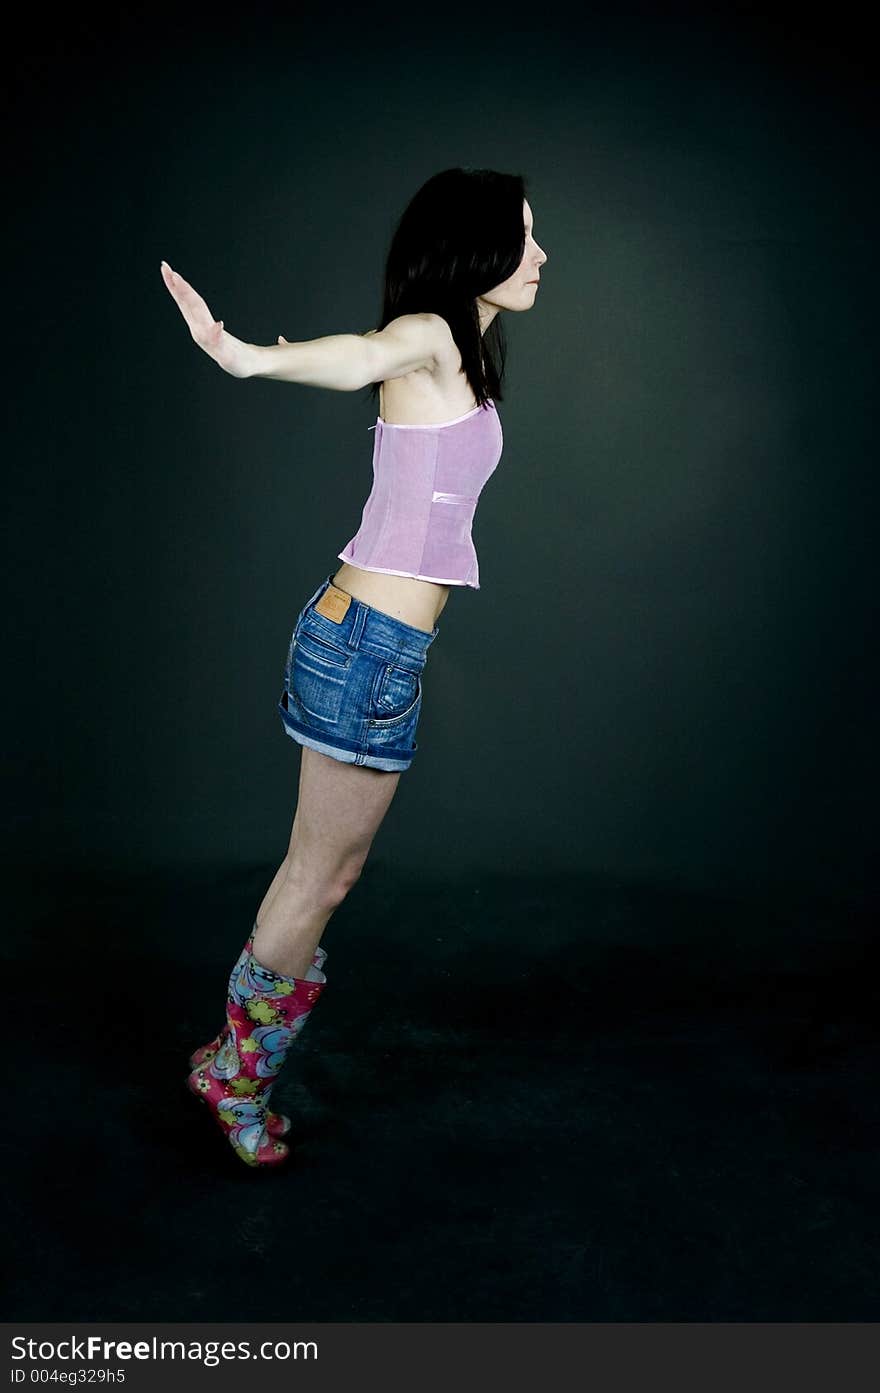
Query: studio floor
(518,1099)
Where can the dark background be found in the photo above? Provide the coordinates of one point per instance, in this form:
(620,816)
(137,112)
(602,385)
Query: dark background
(600,1039)
(664,673)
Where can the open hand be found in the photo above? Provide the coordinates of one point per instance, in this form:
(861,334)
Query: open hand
(231,354)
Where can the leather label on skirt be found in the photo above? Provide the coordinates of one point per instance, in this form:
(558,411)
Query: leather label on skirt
(334,604)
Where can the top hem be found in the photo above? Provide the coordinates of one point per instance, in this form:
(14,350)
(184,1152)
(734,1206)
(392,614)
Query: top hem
(428,425)
(413,575)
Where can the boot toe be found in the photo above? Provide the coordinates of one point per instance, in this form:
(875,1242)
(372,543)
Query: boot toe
(268,1150)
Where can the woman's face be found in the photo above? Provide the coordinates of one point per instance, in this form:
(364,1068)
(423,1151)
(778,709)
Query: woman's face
(518,292)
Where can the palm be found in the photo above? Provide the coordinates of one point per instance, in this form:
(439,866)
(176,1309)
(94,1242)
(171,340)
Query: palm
(200,321)
(227,351)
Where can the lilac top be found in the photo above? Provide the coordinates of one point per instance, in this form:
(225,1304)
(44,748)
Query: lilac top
(426,483)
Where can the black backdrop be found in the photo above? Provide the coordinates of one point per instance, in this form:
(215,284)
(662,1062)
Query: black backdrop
(666,672)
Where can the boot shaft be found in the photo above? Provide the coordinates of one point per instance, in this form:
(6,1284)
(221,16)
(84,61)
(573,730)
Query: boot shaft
(265,1011)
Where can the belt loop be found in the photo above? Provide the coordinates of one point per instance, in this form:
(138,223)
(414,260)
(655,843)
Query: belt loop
(360,619)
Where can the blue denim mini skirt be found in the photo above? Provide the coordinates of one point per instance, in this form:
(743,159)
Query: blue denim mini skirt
(353,681)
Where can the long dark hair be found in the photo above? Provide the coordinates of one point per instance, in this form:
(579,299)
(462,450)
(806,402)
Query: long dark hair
(459,236)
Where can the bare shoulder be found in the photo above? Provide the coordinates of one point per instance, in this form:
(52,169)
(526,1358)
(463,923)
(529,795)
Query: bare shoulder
(447,351)
(425,328)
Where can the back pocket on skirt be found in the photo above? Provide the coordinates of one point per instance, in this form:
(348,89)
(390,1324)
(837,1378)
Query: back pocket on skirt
(318,676)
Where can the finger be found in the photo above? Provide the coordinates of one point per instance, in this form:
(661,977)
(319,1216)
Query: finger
(191,305)
(282,339)
(170,276)
(186,291)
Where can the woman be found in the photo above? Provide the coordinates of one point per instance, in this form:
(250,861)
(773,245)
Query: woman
(463,250)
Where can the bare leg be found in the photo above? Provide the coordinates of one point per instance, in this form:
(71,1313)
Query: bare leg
(339,810)
(273,888)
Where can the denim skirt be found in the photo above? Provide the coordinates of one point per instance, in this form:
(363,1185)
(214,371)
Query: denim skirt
(353,685)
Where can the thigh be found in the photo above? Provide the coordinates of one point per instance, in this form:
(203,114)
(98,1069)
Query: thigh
(339,809)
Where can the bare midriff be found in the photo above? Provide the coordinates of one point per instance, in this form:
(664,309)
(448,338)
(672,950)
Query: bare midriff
(415,602)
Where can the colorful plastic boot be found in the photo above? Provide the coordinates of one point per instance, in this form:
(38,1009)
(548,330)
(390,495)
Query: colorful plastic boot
(277,1123)
(265,1011)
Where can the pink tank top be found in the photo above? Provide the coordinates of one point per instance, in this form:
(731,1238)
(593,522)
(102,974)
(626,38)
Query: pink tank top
(426,483)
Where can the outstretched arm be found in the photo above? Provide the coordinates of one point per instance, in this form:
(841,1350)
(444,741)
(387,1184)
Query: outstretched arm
(342,362)
(348,362)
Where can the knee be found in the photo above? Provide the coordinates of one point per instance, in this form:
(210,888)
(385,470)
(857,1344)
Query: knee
(329,892)
(346,877)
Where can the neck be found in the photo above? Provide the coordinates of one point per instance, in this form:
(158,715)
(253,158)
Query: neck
(487,313)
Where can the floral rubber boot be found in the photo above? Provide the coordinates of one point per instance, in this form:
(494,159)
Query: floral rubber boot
(277,1123)
(265,1011)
